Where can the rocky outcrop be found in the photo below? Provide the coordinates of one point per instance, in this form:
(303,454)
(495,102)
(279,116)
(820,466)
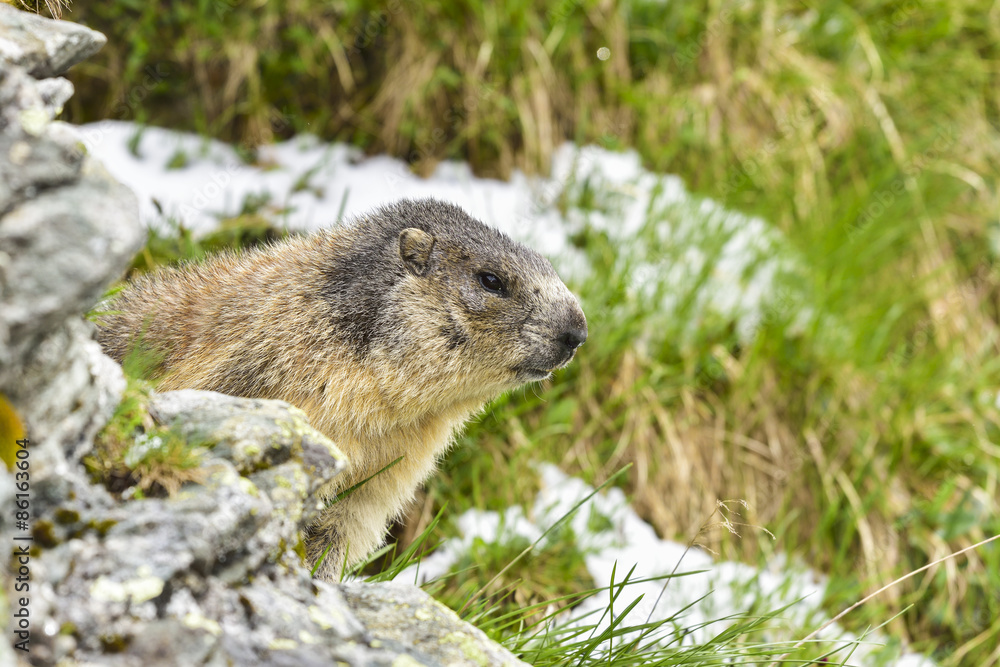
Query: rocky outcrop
(210,575)
(213,574)
(401,615)
(44,47)
(67,231)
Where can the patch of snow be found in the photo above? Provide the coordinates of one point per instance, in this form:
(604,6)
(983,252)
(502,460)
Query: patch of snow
(702,592)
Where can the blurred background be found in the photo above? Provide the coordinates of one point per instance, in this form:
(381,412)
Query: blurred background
(828,350)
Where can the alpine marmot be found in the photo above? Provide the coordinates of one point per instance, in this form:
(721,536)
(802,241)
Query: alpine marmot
(389,332)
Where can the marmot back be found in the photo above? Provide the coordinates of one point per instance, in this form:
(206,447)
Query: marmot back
(389,332)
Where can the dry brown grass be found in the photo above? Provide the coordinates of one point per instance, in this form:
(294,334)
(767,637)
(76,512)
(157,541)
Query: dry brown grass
(54,7)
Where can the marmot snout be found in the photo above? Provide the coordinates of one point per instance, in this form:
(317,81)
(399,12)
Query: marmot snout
(389,332)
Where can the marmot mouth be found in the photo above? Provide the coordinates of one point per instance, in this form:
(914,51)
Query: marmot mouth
(531,374)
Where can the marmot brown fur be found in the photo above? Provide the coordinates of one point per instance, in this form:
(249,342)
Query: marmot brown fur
(389,332)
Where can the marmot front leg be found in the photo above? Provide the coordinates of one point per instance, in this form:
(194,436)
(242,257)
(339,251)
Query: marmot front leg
(346,532)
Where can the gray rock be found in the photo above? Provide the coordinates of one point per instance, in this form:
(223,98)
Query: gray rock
(67,230)
(64,392)
(64,247)
(217,565)
(252,433)
(59,252)
(260,437)
(35,153)
(214,564)
(55,93)
(42,46)
(398,614)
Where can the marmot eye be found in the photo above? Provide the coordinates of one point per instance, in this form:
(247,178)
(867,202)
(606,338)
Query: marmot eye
(491,283)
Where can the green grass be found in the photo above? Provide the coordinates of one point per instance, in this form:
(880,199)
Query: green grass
(133,454)
(860,420)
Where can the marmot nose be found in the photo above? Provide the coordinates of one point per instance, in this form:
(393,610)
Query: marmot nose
(572,338)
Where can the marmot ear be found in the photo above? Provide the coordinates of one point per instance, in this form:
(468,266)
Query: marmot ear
(415,248)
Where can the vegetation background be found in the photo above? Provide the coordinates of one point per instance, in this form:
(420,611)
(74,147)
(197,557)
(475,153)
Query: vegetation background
(865,436)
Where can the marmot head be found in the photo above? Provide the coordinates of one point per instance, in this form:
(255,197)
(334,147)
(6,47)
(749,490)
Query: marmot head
(438,292)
